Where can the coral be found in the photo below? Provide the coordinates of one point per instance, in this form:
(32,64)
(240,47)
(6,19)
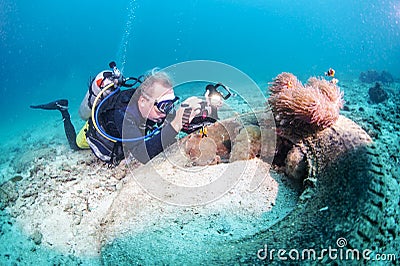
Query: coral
(295,164)
(247,144)
(201,151)
(377,94)
(233,141)
(211,149)
(222,139)
(307,108)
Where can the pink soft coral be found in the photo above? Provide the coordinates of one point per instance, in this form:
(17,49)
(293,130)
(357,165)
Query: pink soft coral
(311,107)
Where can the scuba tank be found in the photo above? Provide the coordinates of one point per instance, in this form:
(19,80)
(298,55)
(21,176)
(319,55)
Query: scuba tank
(103,79)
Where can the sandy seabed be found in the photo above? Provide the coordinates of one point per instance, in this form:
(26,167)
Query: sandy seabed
(70,204)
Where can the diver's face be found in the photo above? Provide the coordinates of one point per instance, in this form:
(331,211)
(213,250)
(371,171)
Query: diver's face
(146,104)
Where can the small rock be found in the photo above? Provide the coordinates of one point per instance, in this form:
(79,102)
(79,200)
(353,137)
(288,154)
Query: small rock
(119,185)
(96,185)
(346,108)
(68,207)
(36,237)
(77,219)
(16,178)
(8,194)
(29,193)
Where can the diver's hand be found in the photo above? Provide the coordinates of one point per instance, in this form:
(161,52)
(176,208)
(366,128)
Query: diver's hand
(192,105)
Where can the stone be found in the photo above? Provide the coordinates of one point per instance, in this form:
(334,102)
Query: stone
(36,237)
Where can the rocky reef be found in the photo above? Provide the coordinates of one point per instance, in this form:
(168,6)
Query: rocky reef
(377,94)
(371,76)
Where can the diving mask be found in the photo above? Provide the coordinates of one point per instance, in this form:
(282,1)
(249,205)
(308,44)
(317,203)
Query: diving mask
(166,106)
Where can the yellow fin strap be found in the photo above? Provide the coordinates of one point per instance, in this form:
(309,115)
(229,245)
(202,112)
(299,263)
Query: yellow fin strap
(81,137)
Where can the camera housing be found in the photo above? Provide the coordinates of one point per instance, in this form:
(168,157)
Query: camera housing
(208,115)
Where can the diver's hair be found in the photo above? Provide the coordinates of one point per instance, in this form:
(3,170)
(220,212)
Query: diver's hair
(151,77)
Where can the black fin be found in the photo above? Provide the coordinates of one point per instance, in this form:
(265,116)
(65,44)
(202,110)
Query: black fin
(60,105)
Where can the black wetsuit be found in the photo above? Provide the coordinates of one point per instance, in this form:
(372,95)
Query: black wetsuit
(128,123)
(121,118)
(69,130)
(112,119)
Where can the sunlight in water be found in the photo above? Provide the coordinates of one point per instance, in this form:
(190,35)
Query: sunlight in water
(396,7)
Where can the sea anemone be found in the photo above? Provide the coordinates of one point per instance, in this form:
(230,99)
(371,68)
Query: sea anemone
(311,107)
(284,81)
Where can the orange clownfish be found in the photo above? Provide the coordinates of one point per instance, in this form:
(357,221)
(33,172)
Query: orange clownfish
(289,84)
(203,131)
(330,72)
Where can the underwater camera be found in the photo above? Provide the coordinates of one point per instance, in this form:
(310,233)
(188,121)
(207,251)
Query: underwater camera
(215,96)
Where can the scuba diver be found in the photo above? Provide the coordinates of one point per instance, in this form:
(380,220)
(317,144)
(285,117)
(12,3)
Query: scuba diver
(141,119)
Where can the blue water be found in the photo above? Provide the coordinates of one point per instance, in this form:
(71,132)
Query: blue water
(49,49)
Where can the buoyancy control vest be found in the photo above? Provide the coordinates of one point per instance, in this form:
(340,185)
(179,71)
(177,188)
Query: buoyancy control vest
(106,150)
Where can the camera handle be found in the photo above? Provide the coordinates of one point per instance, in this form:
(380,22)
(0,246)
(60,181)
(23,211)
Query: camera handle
(186,116)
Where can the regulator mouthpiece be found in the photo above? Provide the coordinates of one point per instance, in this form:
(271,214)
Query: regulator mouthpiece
(115,70)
